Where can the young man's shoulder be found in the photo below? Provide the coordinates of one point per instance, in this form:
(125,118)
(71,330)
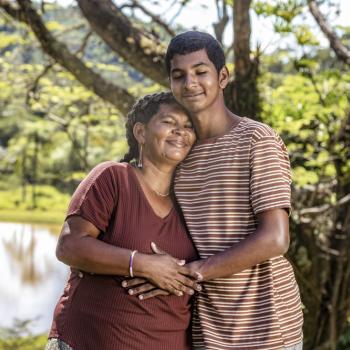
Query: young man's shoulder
(257,130)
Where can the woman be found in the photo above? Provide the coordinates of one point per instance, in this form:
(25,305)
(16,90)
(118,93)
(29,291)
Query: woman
(113,216)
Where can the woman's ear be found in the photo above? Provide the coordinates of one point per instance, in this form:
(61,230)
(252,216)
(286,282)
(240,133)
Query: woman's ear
(139,132)
(224,76)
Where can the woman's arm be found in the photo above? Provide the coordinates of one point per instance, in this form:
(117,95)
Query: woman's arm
(270,239)
(79,248)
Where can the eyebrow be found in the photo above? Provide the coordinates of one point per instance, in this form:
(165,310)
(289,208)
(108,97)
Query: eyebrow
(194,66)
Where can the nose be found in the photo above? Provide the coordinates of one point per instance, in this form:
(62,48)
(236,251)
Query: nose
(190,81)
(179,130)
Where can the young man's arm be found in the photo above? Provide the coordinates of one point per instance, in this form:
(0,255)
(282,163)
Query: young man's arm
(270,239)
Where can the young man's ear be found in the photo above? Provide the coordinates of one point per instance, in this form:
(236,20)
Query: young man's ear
(139,132)
(224,76)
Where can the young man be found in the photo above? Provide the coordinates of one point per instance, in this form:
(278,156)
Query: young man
(234,190)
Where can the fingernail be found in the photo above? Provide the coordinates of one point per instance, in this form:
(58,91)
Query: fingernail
(180,294)
(141,297)
(199,276)
(191,292)
(199,288)
(124,284)
(182,262)
(130,291)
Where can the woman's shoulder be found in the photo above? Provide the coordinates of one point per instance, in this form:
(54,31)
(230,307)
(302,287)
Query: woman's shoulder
(110,164)
(108,170)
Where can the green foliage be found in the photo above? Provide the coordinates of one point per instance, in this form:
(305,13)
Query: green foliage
(307,124)
(19,337)
(285,10)
(53,130)
(58,124)
(304,36)
(344,340)
(48,199)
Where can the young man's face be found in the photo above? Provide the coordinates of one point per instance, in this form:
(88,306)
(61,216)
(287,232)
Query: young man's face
(195,82)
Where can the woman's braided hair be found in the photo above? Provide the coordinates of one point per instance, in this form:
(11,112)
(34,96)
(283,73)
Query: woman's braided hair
(142,111)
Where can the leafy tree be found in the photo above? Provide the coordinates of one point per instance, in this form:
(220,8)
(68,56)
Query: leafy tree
(56,124)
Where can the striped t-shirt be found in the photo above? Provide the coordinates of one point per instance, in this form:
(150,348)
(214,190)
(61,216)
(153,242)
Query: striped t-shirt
(221,186)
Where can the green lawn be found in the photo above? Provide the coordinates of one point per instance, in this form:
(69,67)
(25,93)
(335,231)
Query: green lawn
(32,216)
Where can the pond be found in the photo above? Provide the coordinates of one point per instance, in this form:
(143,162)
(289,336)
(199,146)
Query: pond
(32,278)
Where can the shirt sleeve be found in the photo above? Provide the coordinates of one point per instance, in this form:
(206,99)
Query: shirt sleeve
(270,183)
(96,196)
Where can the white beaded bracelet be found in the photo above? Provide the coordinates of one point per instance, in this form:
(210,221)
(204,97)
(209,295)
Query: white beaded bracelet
(131,272)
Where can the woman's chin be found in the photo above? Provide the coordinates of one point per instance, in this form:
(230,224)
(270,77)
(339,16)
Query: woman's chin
(176,157)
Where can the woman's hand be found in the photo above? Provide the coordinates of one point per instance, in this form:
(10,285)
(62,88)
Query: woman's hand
(164,272)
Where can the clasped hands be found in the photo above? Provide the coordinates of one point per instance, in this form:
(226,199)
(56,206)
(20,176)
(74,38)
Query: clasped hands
(165,275)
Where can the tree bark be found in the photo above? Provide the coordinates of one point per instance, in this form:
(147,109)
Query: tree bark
(242,95)
(140,49)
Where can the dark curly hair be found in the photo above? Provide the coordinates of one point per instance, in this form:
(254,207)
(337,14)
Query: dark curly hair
(142,111)
(192,41)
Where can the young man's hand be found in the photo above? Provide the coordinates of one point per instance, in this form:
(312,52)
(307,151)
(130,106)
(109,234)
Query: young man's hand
(158,283)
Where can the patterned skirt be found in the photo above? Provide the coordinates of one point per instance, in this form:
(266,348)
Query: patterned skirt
(57,344)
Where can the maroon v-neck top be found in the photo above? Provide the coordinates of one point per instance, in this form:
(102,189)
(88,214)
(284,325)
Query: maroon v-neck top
(95,312)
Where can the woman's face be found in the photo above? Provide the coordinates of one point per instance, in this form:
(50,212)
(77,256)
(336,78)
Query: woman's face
(169,135)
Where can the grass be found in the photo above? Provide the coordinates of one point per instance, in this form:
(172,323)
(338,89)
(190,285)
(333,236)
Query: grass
(50,205)
(32,216)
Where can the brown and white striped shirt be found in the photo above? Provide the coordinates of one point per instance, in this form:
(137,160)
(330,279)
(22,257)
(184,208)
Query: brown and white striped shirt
(221,186)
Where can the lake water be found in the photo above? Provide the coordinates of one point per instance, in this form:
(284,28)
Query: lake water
(31,278)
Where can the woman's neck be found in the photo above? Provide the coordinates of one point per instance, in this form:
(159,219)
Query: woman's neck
(157,178)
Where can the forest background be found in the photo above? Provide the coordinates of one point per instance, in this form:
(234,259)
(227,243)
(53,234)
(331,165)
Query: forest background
(70,73)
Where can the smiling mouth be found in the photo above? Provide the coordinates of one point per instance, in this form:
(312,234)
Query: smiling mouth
(193,95)
(178,143)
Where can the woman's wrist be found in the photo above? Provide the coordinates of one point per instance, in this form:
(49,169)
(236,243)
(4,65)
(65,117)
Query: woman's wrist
(131,263)
(140,265)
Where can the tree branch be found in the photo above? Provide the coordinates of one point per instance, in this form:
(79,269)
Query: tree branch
(13,11)
(34,87)
(118,96)
(223,18)
(155,18)
(140,49)
(178,12)
(83,45)
(323,208)
(75,143)
(340,50)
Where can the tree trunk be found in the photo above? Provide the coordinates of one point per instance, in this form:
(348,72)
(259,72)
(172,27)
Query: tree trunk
(242,95)
(35,170)
(24,175)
